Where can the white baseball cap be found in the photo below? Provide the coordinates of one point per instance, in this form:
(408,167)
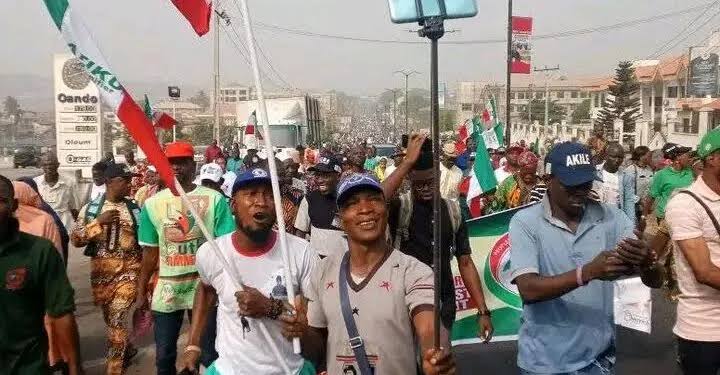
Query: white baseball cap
(211,171)
(228,182)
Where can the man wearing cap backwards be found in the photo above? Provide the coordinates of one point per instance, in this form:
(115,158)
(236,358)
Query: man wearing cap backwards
(108,227)
(390,296)
(170,238)
(675,176)
(450,174)
(317,214)
(697,264)
(565,252)
(253,251)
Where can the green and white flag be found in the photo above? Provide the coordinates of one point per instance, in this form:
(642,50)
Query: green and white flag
(490,245)
(82,44)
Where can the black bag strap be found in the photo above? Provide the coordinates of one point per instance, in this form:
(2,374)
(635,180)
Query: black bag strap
(707,209)
(356,342)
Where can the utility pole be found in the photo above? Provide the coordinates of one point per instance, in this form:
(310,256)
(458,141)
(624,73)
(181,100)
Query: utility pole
(530,99)
(546,70)
(216,76)
(508,77)
(394,110)
(407,74)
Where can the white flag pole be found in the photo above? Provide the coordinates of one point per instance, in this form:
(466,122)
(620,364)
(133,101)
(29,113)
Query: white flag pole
(232,271)
(271,161)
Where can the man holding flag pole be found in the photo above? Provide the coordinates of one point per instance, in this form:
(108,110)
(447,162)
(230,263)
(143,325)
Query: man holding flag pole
(81,43)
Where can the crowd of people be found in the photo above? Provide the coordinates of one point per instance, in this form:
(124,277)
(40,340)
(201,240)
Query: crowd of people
(360,248)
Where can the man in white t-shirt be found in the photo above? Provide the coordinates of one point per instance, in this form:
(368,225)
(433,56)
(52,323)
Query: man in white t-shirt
(253,253)
(613,186)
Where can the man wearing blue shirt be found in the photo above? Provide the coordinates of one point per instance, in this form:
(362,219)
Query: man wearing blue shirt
(565,251)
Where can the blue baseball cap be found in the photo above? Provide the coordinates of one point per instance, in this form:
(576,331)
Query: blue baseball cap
(570,162)
(250,176)
(354,183)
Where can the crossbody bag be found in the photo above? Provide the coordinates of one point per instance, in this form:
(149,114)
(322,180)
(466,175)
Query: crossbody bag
(356,341)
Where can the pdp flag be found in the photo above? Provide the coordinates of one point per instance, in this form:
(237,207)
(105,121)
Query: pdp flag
(521,47)
(490,243)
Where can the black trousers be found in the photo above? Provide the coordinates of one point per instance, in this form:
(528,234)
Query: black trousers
(699,357)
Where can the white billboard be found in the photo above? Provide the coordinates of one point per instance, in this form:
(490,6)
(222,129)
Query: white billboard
(78,120)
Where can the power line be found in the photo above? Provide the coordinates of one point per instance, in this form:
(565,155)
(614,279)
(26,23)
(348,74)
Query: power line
(242,52)
(664,49)
(262,52)
(695,31)
(563,34)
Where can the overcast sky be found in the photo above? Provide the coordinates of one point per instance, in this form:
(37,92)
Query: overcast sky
(148,40)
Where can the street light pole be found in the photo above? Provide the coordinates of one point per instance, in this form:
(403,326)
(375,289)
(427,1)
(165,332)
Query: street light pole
(407,74)
(394,110)
(508,77)
(546,70)
(216,78)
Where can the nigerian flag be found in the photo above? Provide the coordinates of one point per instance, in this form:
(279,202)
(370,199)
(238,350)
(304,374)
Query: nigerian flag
(490,245)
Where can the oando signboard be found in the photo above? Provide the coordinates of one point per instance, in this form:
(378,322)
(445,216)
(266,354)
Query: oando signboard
(78,116)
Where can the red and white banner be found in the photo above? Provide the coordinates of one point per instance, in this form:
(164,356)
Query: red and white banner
(521,47)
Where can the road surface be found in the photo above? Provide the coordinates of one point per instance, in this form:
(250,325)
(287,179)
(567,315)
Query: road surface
(638,353)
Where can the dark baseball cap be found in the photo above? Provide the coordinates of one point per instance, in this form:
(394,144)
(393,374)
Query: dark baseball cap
(570,162)
(673,150)
(354,183)
(118,170)
(327,164)
(250,176)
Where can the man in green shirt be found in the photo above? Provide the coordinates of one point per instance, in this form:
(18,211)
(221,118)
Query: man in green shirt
(34,285)
(170,238)
(667,180)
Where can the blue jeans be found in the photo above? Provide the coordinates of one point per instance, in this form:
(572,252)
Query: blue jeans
(604,365)
(167,328)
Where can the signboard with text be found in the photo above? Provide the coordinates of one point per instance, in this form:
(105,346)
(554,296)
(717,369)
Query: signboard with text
(78,119)
(521,46)
(703,72)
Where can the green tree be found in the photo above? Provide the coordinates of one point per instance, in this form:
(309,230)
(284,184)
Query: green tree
(582,111)
(11,106)
(622,102)
(555,112)
(201,99)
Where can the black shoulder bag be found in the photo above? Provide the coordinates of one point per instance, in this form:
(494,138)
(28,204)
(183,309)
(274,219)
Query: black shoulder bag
(356,342)
(707,209)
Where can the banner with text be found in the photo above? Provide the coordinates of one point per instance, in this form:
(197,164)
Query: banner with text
(78,120)
(521,47)
(703,72)
(490,245)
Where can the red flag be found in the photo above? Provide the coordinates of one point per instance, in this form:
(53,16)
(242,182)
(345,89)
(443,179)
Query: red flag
(141,130)
(197,12)
(521,47)
(163,121)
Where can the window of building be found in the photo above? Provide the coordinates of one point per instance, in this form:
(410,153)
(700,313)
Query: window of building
(466,106)
(672,92)
(539,95)
(682,92)
(521,95)
(583,94)
(561,94)
(512,95)
(688,125)
(231,99)
(574,94)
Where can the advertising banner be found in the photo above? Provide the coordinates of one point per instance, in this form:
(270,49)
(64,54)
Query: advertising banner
(490,245)
(78,118)
(521,46)
(703,72)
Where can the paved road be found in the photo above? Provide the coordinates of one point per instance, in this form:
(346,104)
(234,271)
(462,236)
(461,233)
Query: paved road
(638,353)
